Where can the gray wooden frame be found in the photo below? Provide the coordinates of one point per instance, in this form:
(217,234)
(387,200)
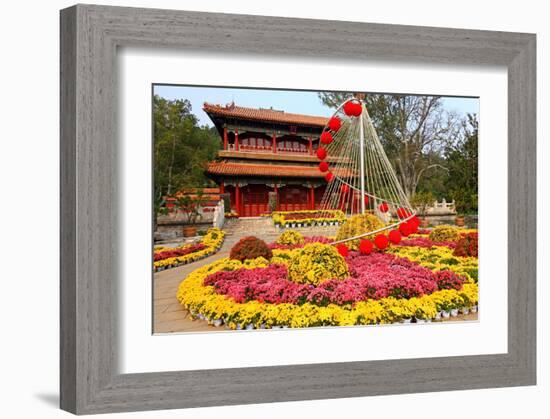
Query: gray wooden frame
(90,36)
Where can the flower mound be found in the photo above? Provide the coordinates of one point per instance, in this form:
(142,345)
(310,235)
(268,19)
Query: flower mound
(444,233)
(290,237)
(357,225)
(316,263)
(250,248)
(467,245)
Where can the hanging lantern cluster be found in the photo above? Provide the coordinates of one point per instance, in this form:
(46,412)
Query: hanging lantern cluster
(353,108)
(326,138)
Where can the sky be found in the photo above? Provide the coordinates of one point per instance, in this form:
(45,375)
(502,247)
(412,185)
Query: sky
(302,102)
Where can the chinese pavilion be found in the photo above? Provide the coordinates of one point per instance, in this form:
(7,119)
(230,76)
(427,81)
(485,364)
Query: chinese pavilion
(267,150)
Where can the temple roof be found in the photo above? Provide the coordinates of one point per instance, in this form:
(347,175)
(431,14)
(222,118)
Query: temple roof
(247,169)
(265,115)
(258,169)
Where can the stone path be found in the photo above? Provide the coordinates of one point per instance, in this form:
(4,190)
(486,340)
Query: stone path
(169,316)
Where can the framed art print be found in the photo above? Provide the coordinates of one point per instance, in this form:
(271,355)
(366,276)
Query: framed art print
(289,209)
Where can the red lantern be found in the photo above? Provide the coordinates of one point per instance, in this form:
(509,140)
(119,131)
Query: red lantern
(352,108)
(413,226)
(323,166)
(326,137)
(366,247)
(345,188)
(358,109)
(321,153)
(394,236)
(329,176)
(381,241)
(383,207)
(414,221)
(403,213)
(404,229)
(334,123)
(342,249)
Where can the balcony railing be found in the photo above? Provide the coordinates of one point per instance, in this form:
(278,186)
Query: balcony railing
(267,149)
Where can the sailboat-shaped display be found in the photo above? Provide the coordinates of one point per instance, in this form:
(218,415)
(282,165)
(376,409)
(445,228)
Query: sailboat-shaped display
(360,178)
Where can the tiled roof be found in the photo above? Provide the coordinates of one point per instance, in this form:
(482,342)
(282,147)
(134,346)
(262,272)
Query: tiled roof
(276,170)
(269,115)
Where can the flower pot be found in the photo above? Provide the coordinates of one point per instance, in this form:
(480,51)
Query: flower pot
(249,326)
(459,221)
(189,231)
(217,322)
(445,314)
(438,316)
(454,312)
(465,310)
(406,320)
(473,309)
(420,320)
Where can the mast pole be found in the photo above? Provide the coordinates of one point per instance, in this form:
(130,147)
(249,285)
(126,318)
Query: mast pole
(362,157)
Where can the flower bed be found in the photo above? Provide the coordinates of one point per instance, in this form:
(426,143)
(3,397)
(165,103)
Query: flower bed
(285,219)
(166,257)
(402,284)
(422,241)
(439,258)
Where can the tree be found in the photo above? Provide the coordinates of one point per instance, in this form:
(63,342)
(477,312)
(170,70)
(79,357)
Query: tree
(422,200)
(462,163)
(181,149)
(414,131)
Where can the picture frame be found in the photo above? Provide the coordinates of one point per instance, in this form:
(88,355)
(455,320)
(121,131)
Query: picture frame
(90,36)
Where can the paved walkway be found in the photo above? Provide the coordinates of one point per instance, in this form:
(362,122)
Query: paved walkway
(169,316)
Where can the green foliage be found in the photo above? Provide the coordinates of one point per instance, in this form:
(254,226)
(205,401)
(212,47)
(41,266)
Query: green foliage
(181,148)
(422,200)
(462,164)
(250,248)
(190,205)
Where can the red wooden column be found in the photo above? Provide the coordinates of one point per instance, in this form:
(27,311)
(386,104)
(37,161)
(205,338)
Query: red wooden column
(310,146)
(274,143)
(236,140)
(225,138)
(222,187)
(238,199)
(311,197)
(277,195)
